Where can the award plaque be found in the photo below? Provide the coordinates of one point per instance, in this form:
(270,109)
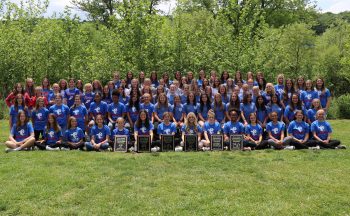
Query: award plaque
(236,142)
(191,142)
(217,142)
(120,143)
(143,143)
(167,143)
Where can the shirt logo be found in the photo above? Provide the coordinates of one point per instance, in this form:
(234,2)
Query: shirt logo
(59,111)
(75,135)
(167,131)
(143,129)
(300,129)
(98,109)
(76,112)
(133,109)
(275,130)
(115,110)
(51,134)
(99,135)
(308,96)
(254,132)
(321,128)
(234,130)
(21,132)
(211,130)
(39,116)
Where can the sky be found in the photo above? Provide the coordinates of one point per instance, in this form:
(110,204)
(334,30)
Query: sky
(334,6)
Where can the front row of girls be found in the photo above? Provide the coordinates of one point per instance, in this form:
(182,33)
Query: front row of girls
(101,137)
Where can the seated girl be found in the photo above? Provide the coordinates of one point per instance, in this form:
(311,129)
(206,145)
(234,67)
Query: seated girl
(275,130)
(52,135)
(298,133)
(210,127)
(21,135)
(191,126)
(143,126)
(74,135)
(99,134)
(120,130)
(253,135)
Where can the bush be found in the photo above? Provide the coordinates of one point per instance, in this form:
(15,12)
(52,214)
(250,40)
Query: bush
(4,111)
(333,110)
(344,106)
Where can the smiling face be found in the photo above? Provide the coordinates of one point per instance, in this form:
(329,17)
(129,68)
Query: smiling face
(299,116)
(211,119)
(143,116)
(22,117)
(273,116)
(252,118)
(321,115)
(99,120)
(77,100)
(58,99)
(234,116)
(74,123)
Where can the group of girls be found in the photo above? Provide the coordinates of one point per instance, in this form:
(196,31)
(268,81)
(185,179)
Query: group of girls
(72,115)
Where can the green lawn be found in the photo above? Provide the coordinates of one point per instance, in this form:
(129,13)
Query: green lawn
(203,183)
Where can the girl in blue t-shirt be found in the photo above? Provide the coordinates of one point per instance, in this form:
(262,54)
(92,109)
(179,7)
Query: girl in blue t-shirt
(253,135)
(234,104)
(261,111)
(311,113)
(97,107)
(52,137)
(247,107)
(21,135)
(120,130)
(210,127)
(275,106)
(323,94)
(288,91)
(70,92)
(178,112)
(99,134)
(308,95)
(167,128)
(290,110)
(88,96)
(298,132)
(219,109)
(132,110)
(79,112)
(74,135)
(191,105)
(143,126)
(191,126)
(18,105)
(275,130)
(322,132)
(61,112)
(203,108)
(224,95)
(39,118)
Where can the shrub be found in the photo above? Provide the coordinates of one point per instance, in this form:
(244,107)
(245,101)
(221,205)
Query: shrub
(344,106)
(4,111)
(333,110)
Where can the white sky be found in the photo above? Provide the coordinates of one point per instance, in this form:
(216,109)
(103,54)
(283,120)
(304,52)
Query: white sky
(334,6)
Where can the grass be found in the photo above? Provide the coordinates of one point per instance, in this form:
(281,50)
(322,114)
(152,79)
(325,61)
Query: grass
(202,183)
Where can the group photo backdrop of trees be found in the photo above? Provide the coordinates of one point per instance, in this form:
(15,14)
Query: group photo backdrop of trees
(273,36)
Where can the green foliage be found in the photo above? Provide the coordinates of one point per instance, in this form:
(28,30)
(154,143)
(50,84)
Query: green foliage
(343,106)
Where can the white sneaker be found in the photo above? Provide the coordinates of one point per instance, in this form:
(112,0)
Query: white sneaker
(178,148)
(247,149)
(65,149)
(340,147)
(52,149)
(315,148)
(289,147)
(10,150)
(154,149)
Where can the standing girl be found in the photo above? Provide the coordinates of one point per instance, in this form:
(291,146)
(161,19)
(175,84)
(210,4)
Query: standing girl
(61,111)
(203,108)
(323,94)
(80,113)
(39,118)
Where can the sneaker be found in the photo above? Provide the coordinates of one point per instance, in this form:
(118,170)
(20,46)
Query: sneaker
(48,148)
(289,147)
(65,149)
(247,149)
(9,150)
(315,148)
(340,147)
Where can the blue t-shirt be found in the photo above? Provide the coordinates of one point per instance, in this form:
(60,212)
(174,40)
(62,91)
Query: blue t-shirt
(267,97)
(307,96)
(87,99)
(171,98)
(275,108)
(69,95)
(116,110)
(203,112)
(61,113)
(233,128)
(162,109)
(219,113)
(14,113)
(298,129)
(166,129)
(254,131)
(191,108)
(212,128)
(144,130)
(276,129)
(51,136)
(117,132)
(279,89)
(247,109)
(322,129)
(79,113)
(100,134)
(22,132)
(40,118)
(124,100)
(149,109)
(290,114)
(191,129)
(324,97)
(98,108)
(74,134)
(46,92)
(178,111)
(311,114)
(183,99)
(261,115)
(133,112)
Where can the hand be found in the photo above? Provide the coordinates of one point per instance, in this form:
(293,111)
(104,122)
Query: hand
(325,141)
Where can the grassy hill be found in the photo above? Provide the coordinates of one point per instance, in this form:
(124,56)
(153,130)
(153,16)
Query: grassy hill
(203,183)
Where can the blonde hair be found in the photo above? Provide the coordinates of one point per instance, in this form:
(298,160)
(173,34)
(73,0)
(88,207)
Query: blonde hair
(188,124)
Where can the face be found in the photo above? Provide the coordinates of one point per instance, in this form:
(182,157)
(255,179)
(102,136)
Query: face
(295,99)
(222,90)
(71,83)
(260,100)
(77,100)
(280,80)
(74,122)
(45,82)
(234,97)
(110,85)
(30,83)
(129,75)
(299,116)
(300,81)
(162,99)
(115,98)
(252,118)
(321,116)
(22,117)
(217,82)
(166,118)
(55,88)
(142,75)
(105,90)
(289,84)
(177,100)
(146,98)
(120,123)
(319,82)
(97,98)
(88,88)
(41,103)
(19,88)
(143,116)
(233,116)
(58,100)
(191,97)
(99,120)
(134,98)
(191,119)
(51,119)
(211,118)
(273,116)
(274,98)
(116,76)
(19,100)
(316,103)
(204,98)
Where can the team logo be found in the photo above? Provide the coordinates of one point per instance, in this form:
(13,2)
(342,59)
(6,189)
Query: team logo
(76,112)
(167,131)
(21,132)
(75,136)
(39,116)
(275,130)
(211,130)
(97,109)
(51,134)
(133,109)
(300,129)
(180,109)
(321,128)
(99,135)
(115,111)
(254,132)
(59,111)
(308,97)
(234,130)
(143,129)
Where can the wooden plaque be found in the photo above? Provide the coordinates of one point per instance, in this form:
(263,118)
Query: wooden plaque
(144,143)
(167,143)
(120,143)
(217,142)
(191,142)
(236,142)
